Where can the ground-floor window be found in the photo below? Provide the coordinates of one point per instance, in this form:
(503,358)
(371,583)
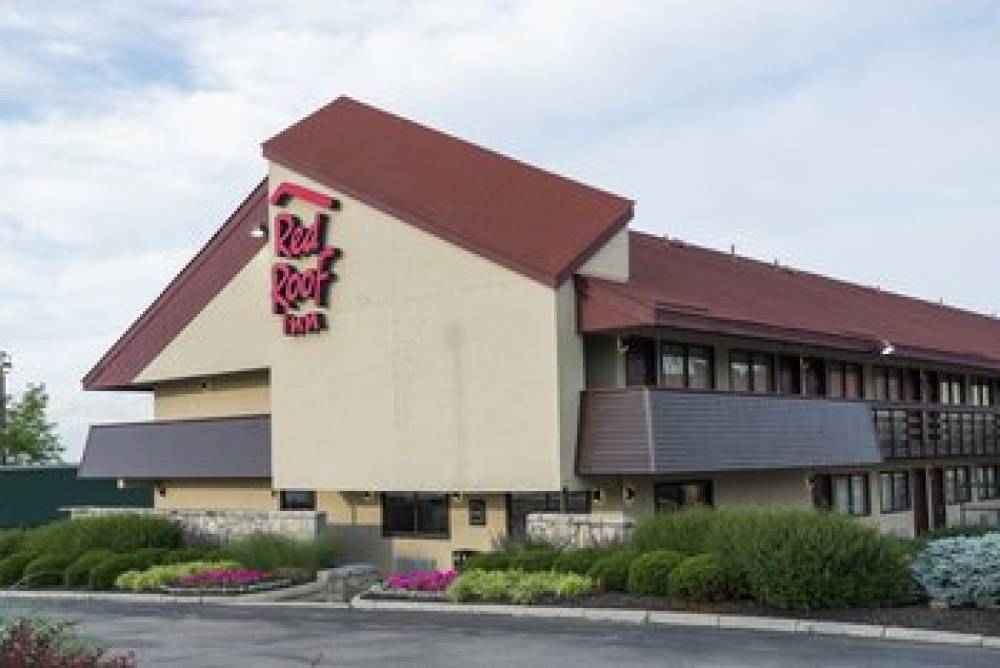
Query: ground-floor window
(957,484)
(298,499)
(415,515)
(520,505)
(894,488)
(989,476)
(669,496)
(850,494)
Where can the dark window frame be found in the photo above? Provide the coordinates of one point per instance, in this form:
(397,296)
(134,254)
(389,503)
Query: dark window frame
(285,501)
(894,482)
(989,490)
(957,491)
(707,485)
(685,350)
(417,532)
(477,512)
(753,359)
(865,497)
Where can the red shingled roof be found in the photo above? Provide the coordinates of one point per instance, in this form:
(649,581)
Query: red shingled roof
(680,285)
(532,221)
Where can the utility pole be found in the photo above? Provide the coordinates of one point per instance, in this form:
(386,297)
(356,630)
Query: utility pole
(5,367)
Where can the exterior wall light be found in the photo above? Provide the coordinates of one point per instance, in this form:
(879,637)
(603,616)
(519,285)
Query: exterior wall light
(887,348)
(259,231)
(628,493)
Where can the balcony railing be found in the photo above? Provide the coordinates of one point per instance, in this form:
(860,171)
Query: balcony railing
(908,431)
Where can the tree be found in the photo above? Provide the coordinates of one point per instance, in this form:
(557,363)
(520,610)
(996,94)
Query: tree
(29,438)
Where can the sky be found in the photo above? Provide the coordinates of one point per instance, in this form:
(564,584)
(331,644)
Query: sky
(857,139)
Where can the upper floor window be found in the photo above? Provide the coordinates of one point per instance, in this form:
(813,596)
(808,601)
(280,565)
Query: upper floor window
(952,389)
(989,477)
(687,366)
(845,380)
(981,392)
(891,383)
(751,372)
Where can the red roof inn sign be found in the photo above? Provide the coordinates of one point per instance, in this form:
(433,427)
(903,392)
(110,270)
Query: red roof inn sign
(301,274)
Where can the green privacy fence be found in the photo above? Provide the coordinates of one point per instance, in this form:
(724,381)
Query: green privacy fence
(32,495)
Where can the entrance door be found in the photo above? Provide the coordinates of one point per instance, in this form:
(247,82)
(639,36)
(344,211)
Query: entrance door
(920,518)
(938,513)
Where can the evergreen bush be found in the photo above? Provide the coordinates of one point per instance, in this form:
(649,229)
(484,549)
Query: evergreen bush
(649,574)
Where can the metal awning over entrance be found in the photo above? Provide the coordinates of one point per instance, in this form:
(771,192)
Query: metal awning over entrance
(234,447)
(649,430)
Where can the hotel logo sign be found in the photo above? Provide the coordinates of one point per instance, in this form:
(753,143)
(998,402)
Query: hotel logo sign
(301,275)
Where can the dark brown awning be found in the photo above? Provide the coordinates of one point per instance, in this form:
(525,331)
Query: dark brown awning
(664,431)
(236,447)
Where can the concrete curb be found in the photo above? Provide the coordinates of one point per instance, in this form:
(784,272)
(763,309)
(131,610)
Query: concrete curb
(614,615)
(722,622)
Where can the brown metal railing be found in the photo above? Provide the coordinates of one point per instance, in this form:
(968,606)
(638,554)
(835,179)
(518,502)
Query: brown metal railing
(932,430)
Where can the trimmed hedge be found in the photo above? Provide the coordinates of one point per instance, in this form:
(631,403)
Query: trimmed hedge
(47,570)
(534,559)
(104,574)
(77,574)
(11,541)
(121,533)
(579,560)
(649,574)
(790,559)
(488,561)
(611,570)
(12,568)
(703,577)
(184,555)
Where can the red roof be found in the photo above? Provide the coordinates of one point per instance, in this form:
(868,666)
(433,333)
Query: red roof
(676,284)
(188,293)
(532,221)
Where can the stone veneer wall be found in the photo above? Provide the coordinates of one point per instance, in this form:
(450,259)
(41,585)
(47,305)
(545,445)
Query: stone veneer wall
(220,526)
(580,530)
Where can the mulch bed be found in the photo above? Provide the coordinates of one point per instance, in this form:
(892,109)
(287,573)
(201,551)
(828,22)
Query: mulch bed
(960,620)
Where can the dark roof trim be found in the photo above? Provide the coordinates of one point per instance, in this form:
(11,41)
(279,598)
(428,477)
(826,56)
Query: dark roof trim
(228,251)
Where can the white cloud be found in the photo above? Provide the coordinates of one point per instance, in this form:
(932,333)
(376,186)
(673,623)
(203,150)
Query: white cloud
(860,143)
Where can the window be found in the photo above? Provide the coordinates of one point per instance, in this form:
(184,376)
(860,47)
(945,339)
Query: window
(814,373)
(477,512)
(988,478)
(687,366)
(850,494)
(415,515)
(844,380)
(297,499)
(957,485)
(789,375)
(981,392)
(952,389)
(894,488)
(668,496)
(751,372)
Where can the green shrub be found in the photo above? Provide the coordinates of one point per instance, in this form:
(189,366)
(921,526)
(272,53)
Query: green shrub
(269,552)
(120,533)
(517,586)
(47,570)
(790,559)
(104,574)
(77,574)
(160,576)
(11,541)
(185,554)
(12,568)
(649,574)
(580,560)
(703,577)
(611,571)
(534,560)
(488,561)
(151,556)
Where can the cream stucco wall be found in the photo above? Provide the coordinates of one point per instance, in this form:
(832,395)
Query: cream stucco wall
(216,494)
(611,261)
(440,371)
(245,393)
